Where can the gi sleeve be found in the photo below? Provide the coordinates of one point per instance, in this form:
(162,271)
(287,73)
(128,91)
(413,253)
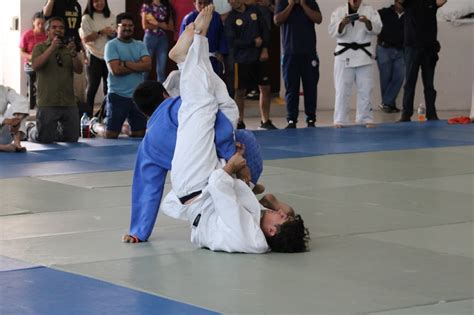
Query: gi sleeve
(376,21)
(235,216)
(224,137)
(18,102)
(336,18)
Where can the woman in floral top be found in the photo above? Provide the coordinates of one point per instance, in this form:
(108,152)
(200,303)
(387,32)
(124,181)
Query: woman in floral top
(157,18)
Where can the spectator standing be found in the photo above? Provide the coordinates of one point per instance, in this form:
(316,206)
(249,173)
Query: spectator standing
(300,59)
(97,27)
(216,35)
(354,25)
(55,62)
(390,58)
(249,37)
(28,41)
(157,18)
(127,60)
(13,111)
(70,12)
(421,51)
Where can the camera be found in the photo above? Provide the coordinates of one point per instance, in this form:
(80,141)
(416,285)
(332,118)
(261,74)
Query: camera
(353,17)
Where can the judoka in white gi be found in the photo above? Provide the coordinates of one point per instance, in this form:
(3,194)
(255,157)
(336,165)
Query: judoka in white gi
(223,211)
(13,110)
(354,59)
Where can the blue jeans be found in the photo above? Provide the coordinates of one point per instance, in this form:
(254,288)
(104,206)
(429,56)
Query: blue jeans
(391,63)
(426,59)
(157,47)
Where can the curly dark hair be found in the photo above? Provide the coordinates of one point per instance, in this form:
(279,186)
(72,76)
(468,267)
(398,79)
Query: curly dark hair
(292,237)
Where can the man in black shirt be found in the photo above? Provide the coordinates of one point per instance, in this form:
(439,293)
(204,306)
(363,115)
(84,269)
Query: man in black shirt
(248,37)
(70,12)
(390,59)
(421,51)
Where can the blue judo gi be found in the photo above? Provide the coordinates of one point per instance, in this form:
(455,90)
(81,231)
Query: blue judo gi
(155,154)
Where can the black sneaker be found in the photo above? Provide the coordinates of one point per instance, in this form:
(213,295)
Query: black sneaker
(240,125)
(311,123)
(268,125)
(291,125)
(394,109)
(385,108)
(253,95)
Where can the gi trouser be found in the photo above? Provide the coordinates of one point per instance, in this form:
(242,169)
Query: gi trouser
(5,133)
(344,78)
(195,154)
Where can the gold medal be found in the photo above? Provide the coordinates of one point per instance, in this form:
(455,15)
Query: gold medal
(239,22)
(253,16)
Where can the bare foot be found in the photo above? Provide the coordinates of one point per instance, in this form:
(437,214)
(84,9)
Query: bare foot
(180,49)
(338,126)
(130,239)
(370,125)
(203,20)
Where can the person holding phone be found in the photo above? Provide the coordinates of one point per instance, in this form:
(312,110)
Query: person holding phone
(353,26)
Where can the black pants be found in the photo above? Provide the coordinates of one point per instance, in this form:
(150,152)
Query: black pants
(426,59)
(96,72)
(31,85)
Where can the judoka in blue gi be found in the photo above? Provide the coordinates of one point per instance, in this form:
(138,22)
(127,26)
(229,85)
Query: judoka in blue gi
(227,223)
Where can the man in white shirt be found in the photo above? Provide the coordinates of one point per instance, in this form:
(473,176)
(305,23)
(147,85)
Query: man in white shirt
(224,213)
(13,111)
(354,26)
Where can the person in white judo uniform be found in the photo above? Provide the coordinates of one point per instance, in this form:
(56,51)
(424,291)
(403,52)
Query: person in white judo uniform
(354,26)
(224,213)
(14,109)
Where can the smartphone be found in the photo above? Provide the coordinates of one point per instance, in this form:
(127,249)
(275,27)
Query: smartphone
(353,17)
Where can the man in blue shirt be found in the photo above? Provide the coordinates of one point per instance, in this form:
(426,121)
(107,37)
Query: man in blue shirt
(126,59)
(215,35)
(300,60)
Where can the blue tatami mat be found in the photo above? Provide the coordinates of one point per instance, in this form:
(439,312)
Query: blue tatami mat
(55,292)
(96,155)
(306,142)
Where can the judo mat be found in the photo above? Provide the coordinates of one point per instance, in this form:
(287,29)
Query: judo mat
(96,155)
(390,211)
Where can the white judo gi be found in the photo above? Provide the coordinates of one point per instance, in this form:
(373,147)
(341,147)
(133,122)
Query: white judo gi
(354,65)
(226,215)
(11,103)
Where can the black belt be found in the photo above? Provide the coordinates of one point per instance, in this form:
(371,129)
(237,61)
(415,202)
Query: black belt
(190,196)
(353,46)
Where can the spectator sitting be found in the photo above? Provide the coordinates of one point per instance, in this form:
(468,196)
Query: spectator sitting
(55,61)
(28,41)
(127,60)
(13,111)
(97,27)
